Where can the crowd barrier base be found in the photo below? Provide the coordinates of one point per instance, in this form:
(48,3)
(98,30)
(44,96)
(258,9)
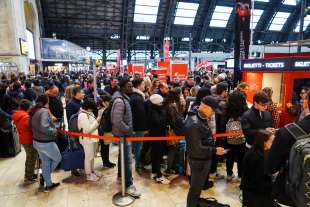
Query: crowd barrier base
(121,198)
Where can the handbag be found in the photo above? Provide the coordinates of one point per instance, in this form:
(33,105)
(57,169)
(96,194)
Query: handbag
(73,157)
(171,133)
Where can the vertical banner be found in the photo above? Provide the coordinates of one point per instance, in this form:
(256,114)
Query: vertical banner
(166,50)
(242,35)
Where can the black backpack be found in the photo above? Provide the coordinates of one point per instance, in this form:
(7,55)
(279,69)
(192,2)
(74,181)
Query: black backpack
(106,122)
(73,124)
(298,175)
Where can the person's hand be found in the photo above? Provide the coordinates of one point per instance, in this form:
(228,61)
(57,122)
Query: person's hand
(275,174)
(54,119)
(98,119)
(219,151)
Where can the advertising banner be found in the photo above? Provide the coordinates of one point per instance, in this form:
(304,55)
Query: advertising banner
(242,35)
(166,50)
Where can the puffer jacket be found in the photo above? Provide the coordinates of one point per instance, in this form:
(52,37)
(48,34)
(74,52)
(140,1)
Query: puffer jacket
(21,120)
(42,126)
(121,115)
(87,124)
(199,146)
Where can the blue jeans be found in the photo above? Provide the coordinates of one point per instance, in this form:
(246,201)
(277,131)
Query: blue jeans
(50,157)
(128,162)
(137,147)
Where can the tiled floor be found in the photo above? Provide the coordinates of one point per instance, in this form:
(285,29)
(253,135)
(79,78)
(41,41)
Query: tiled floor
(79,193)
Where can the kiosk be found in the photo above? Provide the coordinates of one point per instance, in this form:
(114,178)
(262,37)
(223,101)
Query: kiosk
(286,76)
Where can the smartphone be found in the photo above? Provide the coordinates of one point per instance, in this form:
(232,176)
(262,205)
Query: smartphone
(226,151)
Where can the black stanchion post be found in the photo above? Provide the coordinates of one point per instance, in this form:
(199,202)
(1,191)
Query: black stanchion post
(121,198)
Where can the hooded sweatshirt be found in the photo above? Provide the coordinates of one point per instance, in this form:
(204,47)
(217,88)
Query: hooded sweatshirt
(21,120)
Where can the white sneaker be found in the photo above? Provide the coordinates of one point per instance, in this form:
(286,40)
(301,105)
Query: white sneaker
(162,180)
(92,177)
(132,191)
(153,176)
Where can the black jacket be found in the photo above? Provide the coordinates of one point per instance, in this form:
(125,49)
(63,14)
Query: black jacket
(199,146)
(138,108)
(156,120)
(111,90)
(56,108)
(30,95)
(279,154)
(252,122)
(254,177)
(73,107)
(175,119)
(221,118)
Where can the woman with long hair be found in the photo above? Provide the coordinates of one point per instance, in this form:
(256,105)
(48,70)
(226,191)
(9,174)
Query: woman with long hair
(256,185)
(236,106)
(44,140)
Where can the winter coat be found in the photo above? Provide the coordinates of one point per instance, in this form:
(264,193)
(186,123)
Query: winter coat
(199,146)
(111,90)
(252,122)
(121,115)
(30,95)
(157,120)
(138,107)
(87,124)
(11,101)
(55,106)
(72,107)
(21,121)
(42,126)
(175,119)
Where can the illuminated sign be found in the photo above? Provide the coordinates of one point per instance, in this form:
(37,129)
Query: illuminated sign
(23,46)
(277,64)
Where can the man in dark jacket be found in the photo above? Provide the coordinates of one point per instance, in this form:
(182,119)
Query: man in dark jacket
(163,89)
(29,93)
(278,156)
(121,118)
(220,119)
(256,118)
(137,102)
(199,146)
(113,87)
(55,104)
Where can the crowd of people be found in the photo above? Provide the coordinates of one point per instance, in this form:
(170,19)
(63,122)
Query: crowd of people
(125,106)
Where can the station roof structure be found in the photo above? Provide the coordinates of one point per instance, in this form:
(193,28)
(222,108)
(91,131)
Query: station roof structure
(144,24)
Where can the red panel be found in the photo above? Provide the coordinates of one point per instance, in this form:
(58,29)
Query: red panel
(165,65)
(255,81)
(179,69)
(138,69)
(282,55)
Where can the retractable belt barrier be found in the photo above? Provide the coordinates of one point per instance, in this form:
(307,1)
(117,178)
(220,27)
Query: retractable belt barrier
(116,139)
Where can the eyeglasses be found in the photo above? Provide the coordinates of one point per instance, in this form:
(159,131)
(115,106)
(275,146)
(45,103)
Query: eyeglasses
(263,104)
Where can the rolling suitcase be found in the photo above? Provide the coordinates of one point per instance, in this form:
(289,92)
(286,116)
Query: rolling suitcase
(9,142)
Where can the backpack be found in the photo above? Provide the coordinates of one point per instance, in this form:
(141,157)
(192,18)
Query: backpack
(298,175)
(106,122)
(73,125)
(234,126)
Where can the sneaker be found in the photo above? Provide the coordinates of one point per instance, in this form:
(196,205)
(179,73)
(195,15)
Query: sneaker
(29,181)
(216,176)
(139,170)
(49,188)
(108,165)
(92,177)
(76,173)
(132,191)
(153,176)
(169,172)
(41,180)
(208,185)
(162,180)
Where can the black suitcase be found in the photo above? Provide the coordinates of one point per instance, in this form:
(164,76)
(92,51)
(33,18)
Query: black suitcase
(9,142)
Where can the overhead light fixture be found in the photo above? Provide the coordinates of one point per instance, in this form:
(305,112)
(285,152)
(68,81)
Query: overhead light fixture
(208,40)
(114,37)
(143,37)
(185,39)
(88,48)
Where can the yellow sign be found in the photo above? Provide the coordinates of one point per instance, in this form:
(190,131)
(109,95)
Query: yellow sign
(23,46)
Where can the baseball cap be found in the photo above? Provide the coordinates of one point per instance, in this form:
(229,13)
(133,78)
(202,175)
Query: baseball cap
(213,103)
(157,99)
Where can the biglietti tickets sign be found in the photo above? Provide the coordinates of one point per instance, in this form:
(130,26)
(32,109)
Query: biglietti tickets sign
(277,64)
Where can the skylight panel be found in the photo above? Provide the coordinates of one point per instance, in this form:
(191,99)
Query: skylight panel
(186,13)
(290,2)
(143,37)
(114,37)
(208,40)
(146,11)
(262,0)
(306,24)
(257,13)
(279,21)
(220,16)
(185,39)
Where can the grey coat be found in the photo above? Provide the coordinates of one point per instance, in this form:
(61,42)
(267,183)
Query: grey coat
(42,126)
(121,115)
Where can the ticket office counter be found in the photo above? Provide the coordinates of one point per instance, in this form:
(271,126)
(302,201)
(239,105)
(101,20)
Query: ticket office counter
(286,76)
